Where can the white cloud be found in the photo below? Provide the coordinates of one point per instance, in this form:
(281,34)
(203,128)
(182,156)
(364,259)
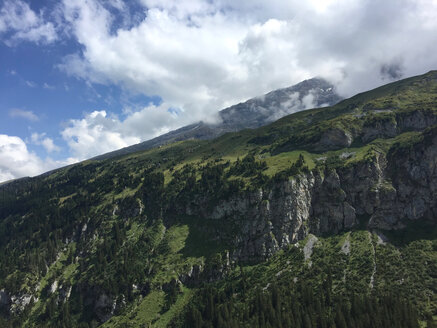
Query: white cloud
(48,144)
(99,132)
(191,66)
(17,161)
(26,114)
(95,134)
(41,139)
(200,56)
(18,22)
(15,158)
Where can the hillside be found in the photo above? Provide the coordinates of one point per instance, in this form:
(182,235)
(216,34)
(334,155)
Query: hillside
(324,218)
(253,113)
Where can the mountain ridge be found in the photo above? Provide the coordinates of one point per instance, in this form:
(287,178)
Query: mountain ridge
(250,114)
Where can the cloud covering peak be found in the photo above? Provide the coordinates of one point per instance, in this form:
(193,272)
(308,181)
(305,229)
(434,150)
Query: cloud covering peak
(202,55)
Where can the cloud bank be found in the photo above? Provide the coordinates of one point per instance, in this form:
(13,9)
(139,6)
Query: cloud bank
(201,56)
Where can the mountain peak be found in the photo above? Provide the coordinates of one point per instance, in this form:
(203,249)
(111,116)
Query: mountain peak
(256,112)
(253,113)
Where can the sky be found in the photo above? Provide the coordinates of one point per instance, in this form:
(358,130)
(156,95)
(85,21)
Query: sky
(79,78)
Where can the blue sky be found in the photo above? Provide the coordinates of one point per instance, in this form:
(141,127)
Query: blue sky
(83,77)
(32,83)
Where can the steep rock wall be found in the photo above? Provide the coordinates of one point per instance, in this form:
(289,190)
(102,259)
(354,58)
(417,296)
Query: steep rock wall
(387,191)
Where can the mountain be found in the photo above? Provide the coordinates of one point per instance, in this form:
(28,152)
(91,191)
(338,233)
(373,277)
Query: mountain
(324,218)
(251,114)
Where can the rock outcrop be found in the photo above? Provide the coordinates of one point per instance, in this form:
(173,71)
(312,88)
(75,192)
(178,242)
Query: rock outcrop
(393,124)
(386,190)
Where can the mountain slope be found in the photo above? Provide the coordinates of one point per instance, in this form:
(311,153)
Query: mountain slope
(251,114)
(326,217)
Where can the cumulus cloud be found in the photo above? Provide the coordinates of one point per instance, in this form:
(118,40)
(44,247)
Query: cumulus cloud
(100,132)
(185,64)
(95,134)
(17,161)
(26,114)
(18,22)
(41,139)
(203,55)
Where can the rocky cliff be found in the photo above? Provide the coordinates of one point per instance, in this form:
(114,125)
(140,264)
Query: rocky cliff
(384,191)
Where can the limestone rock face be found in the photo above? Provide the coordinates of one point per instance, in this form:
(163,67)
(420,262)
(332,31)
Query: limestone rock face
(20,302)
(334,139)
(388,127)
(413,193)
(387,190)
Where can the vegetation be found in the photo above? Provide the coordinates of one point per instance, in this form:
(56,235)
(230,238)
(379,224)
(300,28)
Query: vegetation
(117,242)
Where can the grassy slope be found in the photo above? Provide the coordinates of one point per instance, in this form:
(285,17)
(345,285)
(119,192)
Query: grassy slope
(406,264)
(406,95)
